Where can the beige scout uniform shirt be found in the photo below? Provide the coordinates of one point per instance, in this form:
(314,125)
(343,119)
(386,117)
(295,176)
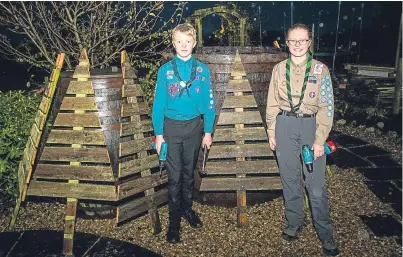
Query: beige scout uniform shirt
(318,96)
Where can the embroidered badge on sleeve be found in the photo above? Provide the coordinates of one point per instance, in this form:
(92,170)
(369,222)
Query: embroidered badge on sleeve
(318,68)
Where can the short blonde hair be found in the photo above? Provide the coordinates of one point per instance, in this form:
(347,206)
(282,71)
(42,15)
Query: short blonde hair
(185,28)
(298,26)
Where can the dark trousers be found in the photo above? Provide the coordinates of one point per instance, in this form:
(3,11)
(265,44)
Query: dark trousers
(291,134)
(184,139)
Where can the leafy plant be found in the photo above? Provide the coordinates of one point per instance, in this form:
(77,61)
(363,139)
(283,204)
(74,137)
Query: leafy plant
(17,113)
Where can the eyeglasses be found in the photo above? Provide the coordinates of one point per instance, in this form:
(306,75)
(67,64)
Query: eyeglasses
(302,42)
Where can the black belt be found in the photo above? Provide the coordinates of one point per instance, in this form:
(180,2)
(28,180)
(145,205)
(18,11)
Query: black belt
(297,115)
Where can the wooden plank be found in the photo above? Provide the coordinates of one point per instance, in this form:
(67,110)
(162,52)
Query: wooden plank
(82,72)
(134,146)
(30,151)
(78,103)
(35,134)
(228,118)
(83,137)
(71,172)
(40,119)
(247,183)
(239,86)
(135,186)
(136,126)
(21,177)
(133,208)
(79,191)
(45,104)
(233,134)
(80,87)
(134,109)
(68,238)
(77,120)
(241,208)
(233,151)
(246,167)
(245,101)
(99,155)
(132,90)
(137,165)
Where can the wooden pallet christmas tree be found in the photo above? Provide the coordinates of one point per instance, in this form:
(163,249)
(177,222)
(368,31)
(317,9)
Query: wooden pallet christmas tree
(240,158)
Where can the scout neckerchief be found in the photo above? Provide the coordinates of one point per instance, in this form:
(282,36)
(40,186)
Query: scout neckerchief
(184,85)
(287,75)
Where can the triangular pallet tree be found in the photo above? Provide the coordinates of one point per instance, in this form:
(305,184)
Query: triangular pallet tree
(240,146)
(30,151)
(136,157)
(99,148)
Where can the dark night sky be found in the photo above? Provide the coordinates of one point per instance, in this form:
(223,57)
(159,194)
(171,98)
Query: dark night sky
(380,21)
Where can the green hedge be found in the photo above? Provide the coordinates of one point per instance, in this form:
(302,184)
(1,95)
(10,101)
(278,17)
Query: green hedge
(17,113)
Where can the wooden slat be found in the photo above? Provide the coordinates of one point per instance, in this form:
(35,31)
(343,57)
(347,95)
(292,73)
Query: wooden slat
(135,186)
(134,146)
(35,134)
(245,101)
(40,119)
(80,191)
(21,177)
(78,103)
(232,151)
(30,151)
(227,118)
(237,85)
(93,173)
(83,137)
(82,72)
(137,165)
(141,205)
(233,134)
(136,126)
(45,103)
(246,167)
(99,155)
(132,90)
(134,109)
(80,87)
(247,183)
(77,120)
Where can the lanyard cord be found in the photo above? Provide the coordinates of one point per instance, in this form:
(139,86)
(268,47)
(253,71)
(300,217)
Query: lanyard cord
(192,77)
(287,75)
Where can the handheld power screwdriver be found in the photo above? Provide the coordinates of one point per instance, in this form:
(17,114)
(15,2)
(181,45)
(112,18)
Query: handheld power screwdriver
(162,157)
(308,156)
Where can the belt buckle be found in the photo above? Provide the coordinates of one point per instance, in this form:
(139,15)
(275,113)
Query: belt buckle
(299,115)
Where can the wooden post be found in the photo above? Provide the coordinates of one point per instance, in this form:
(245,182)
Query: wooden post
(71,210)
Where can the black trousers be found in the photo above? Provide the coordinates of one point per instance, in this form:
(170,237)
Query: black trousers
(184,139)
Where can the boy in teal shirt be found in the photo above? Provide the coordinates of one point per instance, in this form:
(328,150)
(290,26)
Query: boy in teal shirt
(182,95)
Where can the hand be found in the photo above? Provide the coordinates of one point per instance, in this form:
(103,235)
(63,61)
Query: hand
(318,150)
(272,143)
(207,140)
(158,142)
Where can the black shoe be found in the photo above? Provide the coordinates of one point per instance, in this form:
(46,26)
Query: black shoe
(290,238)
(330,248)
(173,235)
(192,218)
(331,252)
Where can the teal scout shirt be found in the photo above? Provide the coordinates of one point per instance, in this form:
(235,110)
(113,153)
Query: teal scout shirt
(168,103)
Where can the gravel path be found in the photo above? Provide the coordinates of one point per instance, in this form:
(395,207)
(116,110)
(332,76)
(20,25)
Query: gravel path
(349,197)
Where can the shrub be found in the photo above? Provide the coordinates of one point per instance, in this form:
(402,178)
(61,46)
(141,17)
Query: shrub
(17,113)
